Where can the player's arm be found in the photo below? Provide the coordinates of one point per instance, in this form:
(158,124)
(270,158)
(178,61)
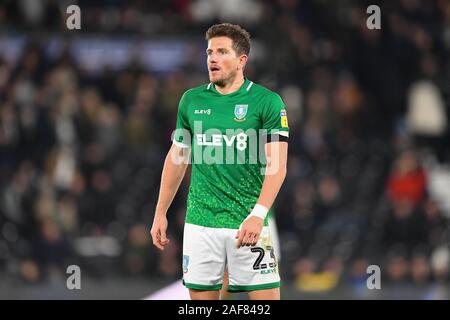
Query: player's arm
(275,173)
(173,172)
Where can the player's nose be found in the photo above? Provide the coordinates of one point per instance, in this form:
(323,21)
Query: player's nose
(212,58)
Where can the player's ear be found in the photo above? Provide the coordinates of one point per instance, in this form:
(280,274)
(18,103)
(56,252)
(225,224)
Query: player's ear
(242,61)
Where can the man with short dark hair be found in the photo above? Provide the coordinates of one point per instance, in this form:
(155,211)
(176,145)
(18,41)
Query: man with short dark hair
(235,133)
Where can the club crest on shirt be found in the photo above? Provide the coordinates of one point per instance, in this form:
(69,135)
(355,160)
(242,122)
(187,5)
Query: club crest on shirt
(240,110)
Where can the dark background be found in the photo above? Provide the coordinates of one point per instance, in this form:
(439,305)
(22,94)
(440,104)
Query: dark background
(86,118)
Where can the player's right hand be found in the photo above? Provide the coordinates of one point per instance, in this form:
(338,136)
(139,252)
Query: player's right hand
(158,232)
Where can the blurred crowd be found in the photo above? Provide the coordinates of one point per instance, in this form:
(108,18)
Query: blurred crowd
(368,178)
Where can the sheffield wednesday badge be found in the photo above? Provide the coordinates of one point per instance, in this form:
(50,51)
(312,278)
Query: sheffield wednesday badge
(240,110)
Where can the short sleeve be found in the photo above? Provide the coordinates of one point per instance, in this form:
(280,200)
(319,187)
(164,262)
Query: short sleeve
(274,116)
(182,134)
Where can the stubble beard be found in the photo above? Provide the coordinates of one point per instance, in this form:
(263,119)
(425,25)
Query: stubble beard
(225,80)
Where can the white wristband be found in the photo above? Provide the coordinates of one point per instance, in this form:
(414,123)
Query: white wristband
(259,211)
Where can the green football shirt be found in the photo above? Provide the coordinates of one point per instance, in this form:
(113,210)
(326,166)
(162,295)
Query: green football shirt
(226,134)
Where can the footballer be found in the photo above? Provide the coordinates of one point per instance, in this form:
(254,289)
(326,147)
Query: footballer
(234,132)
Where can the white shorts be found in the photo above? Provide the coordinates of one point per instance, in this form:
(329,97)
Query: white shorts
(206,252)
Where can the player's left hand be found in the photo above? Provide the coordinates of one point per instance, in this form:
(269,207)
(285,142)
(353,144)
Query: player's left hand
(248,234)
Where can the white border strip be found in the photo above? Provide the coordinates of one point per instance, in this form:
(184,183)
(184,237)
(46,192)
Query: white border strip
(283,133)
(250,85)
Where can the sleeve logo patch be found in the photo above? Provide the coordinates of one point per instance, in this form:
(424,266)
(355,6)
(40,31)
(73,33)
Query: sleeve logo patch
(284,120)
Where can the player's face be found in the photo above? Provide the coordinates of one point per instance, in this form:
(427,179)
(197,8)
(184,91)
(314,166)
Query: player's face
(223,62)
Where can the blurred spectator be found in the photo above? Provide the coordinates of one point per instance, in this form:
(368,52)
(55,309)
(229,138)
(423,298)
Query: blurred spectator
(407,182)
(420,269)
(440,264)
(398,267)
(426,116)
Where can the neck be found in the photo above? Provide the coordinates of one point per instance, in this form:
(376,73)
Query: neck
(231,86)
